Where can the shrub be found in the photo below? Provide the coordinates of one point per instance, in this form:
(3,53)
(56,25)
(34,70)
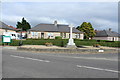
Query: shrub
(58,37)
(48,44)
(96,45)
(15,42)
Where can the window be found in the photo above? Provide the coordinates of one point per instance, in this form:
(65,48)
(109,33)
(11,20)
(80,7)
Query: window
(36,33)
(50,35)
(32,33)
(77,36)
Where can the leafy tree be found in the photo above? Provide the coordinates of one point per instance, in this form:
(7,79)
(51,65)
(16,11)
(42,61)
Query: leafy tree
(92,31)
(87,29)
(19,25)
(23,24)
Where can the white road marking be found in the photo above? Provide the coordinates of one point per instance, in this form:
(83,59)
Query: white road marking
(88,67)
(89,58)
(97,58)
(17,56)
(30,58)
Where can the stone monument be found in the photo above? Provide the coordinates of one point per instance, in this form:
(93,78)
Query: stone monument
(71,43)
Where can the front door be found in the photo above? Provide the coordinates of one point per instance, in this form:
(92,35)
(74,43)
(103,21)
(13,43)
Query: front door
(42,35)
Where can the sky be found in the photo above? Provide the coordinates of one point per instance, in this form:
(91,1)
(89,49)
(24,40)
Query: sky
(102,15)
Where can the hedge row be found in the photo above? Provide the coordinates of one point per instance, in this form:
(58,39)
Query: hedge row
(63,42)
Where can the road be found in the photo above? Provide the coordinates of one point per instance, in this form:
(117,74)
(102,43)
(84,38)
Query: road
(25,64)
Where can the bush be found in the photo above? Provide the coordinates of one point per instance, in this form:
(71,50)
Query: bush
(58,37)
(48,44)
(96,45)
(15,42)
(63,42)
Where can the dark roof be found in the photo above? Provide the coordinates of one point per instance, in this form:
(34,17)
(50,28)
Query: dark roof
(13,28)
(5,26)
(107,33)
(53,28)
(44,27)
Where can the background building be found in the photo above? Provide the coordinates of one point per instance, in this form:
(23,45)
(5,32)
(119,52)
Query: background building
(107,35)
(8,30)
(46,31)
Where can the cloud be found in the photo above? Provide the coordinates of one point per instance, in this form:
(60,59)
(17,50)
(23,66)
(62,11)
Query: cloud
(50,20)
(102,23)
(60,0)
(102,15)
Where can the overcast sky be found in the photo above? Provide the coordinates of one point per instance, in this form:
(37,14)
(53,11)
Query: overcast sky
(102,15)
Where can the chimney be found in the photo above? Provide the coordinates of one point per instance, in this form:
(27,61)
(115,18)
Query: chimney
(55,23)
(110,29)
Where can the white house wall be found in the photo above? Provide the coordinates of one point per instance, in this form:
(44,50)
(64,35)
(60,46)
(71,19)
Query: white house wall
(101,38)
(119,39)
(51,35)
(81,36)
(8,33)
(107,38)
(2,31)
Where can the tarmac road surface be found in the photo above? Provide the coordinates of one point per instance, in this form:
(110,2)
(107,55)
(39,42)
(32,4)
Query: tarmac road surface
(25,64)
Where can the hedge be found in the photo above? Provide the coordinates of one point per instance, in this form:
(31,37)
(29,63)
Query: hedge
(63,42)
(58,37)
(59,42)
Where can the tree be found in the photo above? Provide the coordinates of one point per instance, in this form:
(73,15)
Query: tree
(87,29)
(92,31)
(23,24)
(19,25)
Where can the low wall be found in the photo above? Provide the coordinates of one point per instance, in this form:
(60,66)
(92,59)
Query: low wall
(69,50)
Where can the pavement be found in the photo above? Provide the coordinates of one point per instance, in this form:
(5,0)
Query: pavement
(56,47)
(9,47)
(27,64)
